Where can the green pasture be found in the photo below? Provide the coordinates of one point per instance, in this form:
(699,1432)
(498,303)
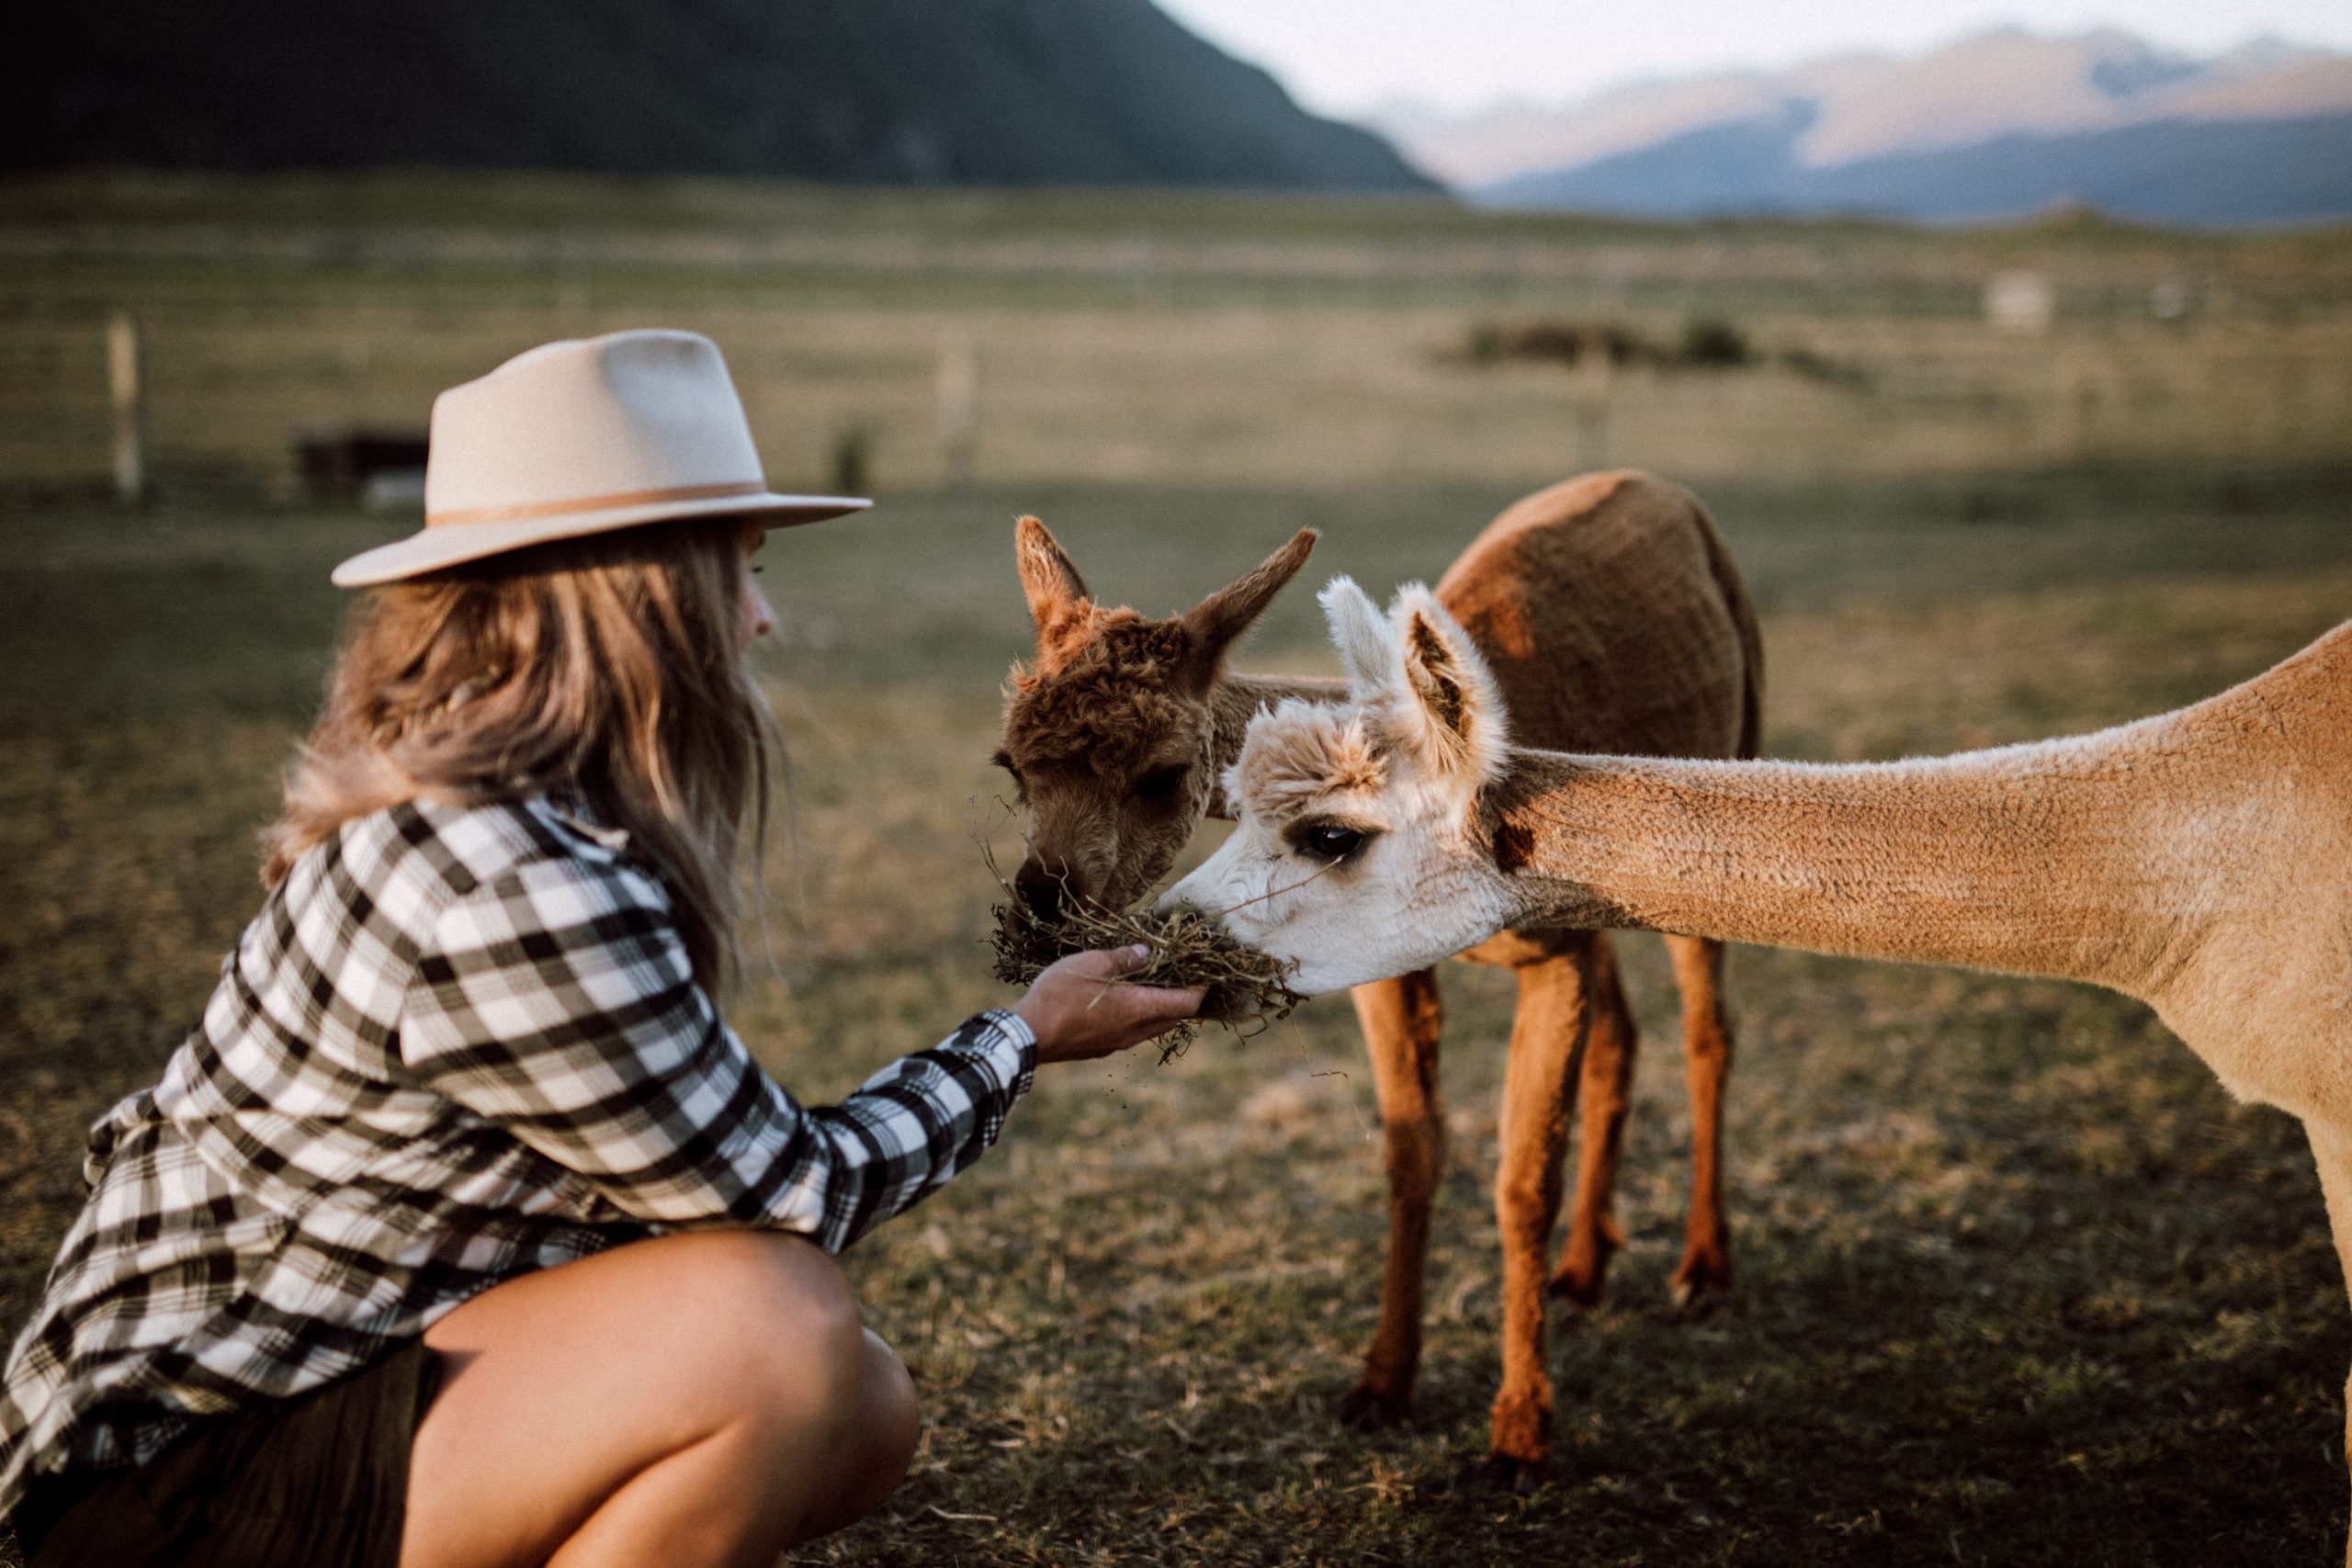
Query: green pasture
(2018,1283)
(1156,340)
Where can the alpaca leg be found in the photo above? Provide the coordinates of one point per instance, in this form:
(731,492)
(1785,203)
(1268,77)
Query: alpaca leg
(2332,1148)
(1544,1040)
(1705,1270)
(1400,1019)
(1603,1095)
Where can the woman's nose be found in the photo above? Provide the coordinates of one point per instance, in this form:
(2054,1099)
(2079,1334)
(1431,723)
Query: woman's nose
(759,615)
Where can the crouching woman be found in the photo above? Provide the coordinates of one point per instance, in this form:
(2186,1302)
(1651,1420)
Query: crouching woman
(462,1230)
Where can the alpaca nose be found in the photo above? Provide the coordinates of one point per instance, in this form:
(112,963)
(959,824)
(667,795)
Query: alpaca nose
(1172,907)
(1041,888)
(1176,901)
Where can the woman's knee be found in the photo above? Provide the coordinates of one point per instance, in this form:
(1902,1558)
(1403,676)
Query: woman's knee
(873,1457)
(774,1323)
(893,1418)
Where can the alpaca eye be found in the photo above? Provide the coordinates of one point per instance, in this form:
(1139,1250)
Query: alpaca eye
(1330,842)
(1160,785)
(1004,759)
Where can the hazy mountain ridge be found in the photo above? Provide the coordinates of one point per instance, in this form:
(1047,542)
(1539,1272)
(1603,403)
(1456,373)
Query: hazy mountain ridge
(983,92)
(1992,125)
(2175,171)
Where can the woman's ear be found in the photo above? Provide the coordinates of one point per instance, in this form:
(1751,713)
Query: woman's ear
(1361,636)
(1463,732)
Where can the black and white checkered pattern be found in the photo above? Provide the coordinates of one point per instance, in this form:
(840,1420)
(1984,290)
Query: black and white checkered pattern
(455,1046)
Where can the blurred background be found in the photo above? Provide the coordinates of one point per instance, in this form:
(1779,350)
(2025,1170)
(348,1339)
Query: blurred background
(2010,345)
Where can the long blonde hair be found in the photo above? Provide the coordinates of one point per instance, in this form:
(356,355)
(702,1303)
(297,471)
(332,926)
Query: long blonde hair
(607,667)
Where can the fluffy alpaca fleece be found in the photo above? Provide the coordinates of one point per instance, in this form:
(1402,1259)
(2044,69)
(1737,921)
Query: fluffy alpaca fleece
(1109,731)
(1108,699)
(1612,617)
(1297,763)
(2200,860)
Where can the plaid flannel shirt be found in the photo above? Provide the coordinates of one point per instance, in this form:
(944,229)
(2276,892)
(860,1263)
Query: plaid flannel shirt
(458,1044)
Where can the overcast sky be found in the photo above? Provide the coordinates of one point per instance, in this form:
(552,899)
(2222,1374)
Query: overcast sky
(1342,57)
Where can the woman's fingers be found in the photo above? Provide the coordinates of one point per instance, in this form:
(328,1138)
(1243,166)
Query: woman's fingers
(1080,1008)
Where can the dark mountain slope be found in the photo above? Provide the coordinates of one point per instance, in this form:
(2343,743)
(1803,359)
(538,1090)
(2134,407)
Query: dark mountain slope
(2215,171)
(975,92)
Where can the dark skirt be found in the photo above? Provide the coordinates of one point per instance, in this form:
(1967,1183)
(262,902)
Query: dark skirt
(316,1482)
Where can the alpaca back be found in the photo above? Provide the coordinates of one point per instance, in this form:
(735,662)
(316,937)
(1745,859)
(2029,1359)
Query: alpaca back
(2256,810)
(1613,620)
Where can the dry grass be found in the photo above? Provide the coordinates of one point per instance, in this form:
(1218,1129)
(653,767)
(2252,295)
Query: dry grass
(2019,1284)
(1141,352)
(1245,985)
(1293,393)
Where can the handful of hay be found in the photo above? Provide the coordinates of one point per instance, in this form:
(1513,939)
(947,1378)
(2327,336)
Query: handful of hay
(1187,949)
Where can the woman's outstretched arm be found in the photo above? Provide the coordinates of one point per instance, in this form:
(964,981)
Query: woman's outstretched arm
(558,1003)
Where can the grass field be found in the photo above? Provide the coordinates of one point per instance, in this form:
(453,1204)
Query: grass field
(2019,1284)
(1158,340)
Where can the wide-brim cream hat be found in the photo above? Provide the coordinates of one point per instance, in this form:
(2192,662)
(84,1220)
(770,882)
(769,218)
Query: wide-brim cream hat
(581,437)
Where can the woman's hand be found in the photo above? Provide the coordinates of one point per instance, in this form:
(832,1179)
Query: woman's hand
(1079,1009)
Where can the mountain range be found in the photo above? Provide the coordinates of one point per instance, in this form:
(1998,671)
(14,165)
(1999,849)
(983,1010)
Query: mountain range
(1999,125)
(977,92)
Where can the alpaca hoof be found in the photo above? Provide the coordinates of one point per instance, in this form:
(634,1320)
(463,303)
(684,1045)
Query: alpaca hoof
(1502,1473)
(1701,1286)
(1578,1289)
(1366,1411)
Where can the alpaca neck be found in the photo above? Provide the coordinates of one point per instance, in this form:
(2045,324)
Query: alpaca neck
(2053,860)
(1235,700)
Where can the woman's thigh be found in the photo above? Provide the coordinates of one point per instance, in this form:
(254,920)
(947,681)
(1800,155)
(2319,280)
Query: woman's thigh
(560,1387)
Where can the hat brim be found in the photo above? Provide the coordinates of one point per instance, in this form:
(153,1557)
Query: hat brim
(454,544)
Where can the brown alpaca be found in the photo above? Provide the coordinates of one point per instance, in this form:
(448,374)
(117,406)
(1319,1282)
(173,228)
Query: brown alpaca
(2200,860)
(1614,618)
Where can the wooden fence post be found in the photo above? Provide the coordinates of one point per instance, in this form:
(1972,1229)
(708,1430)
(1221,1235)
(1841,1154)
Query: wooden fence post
(1592,407)
(959,409)
(128,395)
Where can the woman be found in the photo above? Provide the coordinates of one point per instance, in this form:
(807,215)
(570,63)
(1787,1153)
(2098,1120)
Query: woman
(462,1231)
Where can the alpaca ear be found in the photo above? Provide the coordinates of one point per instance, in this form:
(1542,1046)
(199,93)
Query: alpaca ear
(1463,730)
(1217,623)
(1057,593)
(1361,636)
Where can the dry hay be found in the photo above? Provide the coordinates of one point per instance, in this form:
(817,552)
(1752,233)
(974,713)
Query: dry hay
(1245,984)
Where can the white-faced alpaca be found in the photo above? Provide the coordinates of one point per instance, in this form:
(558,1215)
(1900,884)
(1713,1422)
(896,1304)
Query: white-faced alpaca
(2200,860)
(1612,616)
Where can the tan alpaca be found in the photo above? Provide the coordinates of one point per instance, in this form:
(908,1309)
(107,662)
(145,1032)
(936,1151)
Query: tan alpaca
(1612,618)
(2200,860)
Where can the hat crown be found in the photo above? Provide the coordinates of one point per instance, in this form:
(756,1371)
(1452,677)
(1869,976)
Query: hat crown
(607,419)
(583,437)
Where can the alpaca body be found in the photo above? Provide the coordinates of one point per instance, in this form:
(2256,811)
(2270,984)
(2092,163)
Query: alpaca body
(1611,613)
(2200,860)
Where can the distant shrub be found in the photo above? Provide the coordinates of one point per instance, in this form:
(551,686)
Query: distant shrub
(1556,341)
(1712,343)
(1708,343)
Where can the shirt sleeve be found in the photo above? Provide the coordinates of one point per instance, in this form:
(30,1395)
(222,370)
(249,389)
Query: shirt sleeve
(557,1001)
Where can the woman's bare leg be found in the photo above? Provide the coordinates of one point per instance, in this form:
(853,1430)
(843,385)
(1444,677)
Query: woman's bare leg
(700,1399)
